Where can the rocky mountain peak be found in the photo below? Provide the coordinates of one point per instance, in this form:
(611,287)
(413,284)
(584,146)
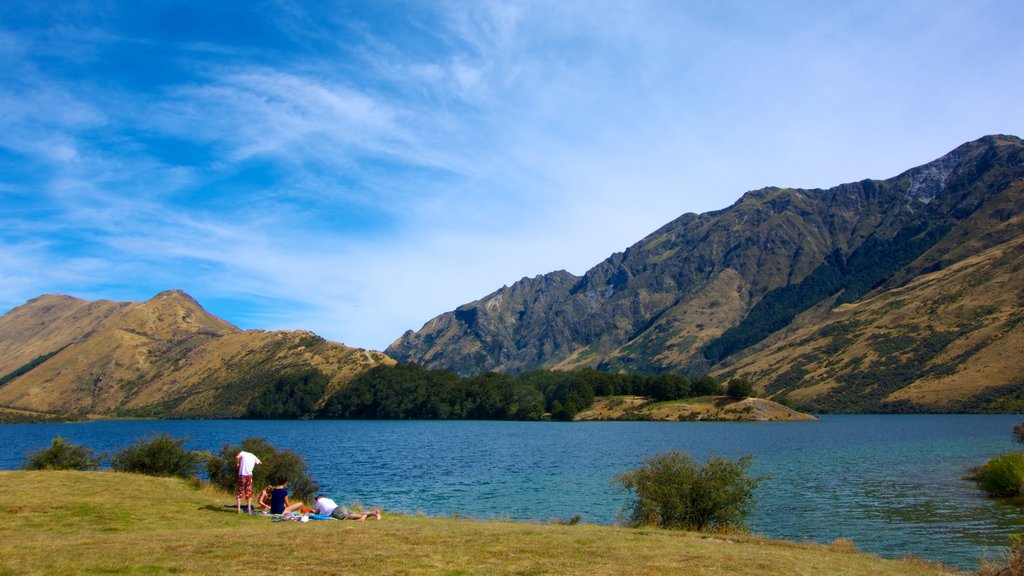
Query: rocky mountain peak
(708,287)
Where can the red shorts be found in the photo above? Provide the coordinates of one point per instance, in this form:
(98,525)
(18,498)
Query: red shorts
(244,487)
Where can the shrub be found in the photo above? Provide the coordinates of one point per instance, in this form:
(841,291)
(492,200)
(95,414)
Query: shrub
(739,388)
(671,490)
(157,456)
(62,456)
(276,467)
(1002,476)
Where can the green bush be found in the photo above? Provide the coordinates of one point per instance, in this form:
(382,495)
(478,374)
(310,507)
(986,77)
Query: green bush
(1002,476)
(157,456)
(276,467)
(739,388)
(671,490)
(62,456)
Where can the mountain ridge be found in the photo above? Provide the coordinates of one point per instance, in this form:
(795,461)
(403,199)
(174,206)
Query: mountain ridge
(708,287)
(166,356)
(905,294)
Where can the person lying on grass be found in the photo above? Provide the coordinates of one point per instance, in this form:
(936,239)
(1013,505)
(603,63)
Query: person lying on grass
(327,507)
(279,502)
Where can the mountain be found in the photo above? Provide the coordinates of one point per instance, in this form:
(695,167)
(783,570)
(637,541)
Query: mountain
(164,357)
(903,294)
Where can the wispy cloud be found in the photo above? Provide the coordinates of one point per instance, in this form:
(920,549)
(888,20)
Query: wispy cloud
(358,170)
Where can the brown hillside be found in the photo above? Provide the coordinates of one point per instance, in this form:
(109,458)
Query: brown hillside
(48,323)
(708,408)
(940,342)
(762,288)
(163,357)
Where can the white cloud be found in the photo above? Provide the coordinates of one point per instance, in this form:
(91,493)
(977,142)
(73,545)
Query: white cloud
(360,181)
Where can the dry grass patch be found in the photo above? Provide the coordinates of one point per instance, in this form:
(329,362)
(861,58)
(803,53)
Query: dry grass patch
(109,523)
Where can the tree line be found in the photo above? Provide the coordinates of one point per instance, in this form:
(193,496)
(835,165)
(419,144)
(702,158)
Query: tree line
(410,391)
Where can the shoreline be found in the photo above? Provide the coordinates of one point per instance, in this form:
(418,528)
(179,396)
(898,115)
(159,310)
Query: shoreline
(127,523)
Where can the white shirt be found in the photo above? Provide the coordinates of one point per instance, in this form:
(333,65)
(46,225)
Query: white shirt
(325,506)
(246,462)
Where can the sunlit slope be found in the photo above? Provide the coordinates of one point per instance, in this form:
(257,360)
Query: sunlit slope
(164,357)
(949,340)
(712,292)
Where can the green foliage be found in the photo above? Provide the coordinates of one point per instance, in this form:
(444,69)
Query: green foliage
(158,455)
(671,490)
(739,388)
(409,391)
(664,387)
(277,466)
(789,379)
(866,390)
(1002,476)
(777,309)
(62,455)
(889,344)
(705,386)
(291,395)
(869,266)
(28,366)
(996,400)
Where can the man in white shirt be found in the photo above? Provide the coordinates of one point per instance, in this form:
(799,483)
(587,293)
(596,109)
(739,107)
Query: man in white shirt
(246,462)
(327,507)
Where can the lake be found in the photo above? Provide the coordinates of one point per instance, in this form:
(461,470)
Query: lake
(890,483)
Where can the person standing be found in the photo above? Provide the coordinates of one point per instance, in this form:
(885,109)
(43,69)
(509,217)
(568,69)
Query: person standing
(246,461)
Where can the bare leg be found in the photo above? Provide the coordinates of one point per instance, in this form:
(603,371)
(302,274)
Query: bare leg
(293,507)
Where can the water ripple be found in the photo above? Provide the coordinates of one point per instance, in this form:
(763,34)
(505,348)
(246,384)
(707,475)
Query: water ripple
(892,484)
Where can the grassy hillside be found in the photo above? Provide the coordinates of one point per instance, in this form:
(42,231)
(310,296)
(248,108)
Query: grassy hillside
(163,357)
(108,523)
(717,292)
(947,341)
(709,408)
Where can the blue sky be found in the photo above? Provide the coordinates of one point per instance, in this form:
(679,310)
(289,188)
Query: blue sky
(357,168)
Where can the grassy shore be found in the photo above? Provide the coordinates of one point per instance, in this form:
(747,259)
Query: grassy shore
(710,408)
(111,523)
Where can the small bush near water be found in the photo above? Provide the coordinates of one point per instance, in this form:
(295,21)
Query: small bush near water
(158,456)
(1002,476)
(63,456)
(671,490)
(277,466)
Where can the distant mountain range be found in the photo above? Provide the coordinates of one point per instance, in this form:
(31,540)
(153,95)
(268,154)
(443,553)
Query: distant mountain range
(904,294)
(167,357)
(898,294)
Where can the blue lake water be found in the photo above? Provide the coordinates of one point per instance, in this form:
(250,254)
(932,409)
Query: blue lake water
(891,484)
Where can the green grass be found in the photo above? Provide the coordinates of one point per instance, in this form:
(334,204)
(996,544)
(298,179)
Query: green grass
(111,523)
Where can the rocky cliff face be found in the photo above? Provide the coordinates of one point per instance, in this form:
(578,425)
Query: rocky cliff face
(706,290)
(163,357)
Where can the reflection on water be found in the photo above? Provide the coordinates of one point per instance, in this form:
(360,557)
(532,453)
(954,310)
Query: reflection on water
(892,484)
